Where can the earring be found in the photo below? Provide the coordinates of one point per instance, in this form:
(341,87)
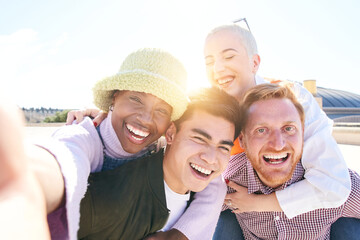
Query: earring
(111,108)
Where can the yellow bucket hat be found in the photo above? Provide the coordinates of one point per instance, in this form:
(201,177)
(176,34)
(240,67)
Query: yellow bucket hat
(151,71)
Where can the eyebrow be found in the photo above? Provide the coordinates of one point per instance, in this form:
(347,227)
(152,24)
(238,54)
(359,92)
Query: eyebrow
(162,102)
(206,135)
(229,49)
(223,51)
(266,123)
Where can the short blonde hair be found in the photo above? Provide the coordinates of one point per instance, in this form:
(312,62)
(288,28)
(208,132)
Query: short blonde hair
(245,37)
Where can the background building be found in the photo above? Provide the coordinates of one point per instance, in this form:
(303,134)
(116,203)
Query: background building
(340,106)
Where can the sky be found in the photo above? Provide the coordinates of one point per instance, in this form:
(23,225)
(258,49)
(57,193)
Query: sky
(53,52)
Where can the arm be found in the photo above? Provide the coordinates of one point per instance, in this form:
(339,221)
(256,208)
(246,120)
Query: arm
(78,151)
(172,234)
(22,205)
(49,176)
(241,201)
(327,181)
(200,218)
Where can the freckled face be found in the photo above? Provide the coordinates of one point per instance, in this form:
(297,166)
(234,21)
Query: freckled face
(228,65)
(199,152)
(139,119)
(273,140)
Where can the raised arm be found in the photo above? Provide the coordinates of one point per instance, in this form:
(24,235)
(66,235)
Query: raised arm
(327,180)
(22,204)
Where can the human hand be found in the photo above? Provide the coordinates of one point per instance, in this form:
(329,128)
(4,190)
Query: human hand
(238,201)
(172,234)
(79,115)
(241,201)
(22,203)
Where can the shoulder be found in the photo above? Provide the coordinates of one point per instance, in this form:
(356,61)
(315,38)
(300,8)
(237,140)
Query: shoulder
(351,206)
(128,176)
(236,166)
(82,130)
(355,184)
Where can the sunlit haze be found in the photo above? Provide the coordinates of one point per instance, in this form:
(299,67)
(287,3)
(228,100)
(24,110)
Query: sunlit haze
(52,52)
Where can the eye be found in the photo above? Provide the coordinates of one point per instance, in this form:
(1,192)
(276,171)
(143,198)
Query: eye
(228,57)
(199,139)
(260,130)
(163,111)
(289,128)
(225,149)
(135,99)
(209,62)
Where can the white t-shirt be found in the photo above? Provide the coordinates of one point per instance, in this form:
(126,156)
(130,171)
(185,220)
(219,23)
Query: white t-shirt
(176,203)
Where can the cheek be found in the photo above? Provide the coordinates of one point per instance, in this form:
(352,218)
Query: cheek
(116,119)
(209,73)
(296,141)
(162,124)
(299,146)
(253,144)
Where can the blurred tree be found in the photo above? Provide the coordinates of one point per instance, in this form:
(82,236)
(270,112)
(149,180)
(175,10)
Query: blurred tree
(59,117)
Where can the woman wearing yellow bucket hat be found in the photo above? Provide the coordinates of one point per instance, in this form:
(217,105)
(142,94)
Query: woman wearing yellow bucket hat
(142,99)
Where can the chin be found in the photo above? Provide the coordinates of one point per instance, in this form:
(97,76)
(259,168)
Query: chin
(133,150)
(197,188)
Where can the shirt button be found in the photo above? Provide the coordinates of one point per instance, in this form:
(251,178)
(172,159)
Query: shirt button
(277,218)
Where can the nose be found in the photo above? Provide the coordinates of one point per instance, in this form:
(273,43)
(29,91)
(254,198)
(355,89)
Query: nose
(209,155)
(218,65)
(277,140)
(145,117)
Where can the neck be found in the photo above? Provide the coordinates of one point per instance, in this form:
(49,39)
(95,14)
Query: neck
(251,83)
(171,176)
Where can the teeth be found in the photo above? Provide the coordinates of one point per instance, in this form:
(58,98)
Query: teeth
(137,132)
(200,169)
(224,80)
(275,162)
(136,138)
(276,156)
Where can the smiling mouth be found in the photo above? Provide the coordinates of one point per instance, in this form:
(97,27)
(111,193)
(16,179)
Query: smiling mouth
(276,158)
(136,133)
(224,80)
(200,170)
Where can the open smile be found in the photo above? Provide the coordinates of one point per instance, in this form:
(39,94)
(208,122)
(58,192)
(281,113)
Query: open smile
(201,171)
(224,81)
(137,134)
(276,159)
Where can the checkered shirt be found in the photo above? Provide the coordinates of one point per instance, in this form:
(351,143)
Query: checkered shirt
(275,225)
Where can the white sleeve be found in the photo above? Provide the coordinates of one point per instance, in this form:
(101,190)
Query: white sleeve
(327,181)
(200,218)
(78,153)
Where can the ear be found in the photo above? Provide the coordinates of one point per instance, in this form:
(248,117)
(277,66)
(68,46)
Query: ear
(241,140)
(255,63)
(170,133)
(116,93)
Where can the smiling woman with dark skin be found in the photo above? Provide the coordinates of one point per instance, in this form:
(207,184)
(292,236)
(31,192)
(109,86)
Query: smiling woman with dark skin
(142,99)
